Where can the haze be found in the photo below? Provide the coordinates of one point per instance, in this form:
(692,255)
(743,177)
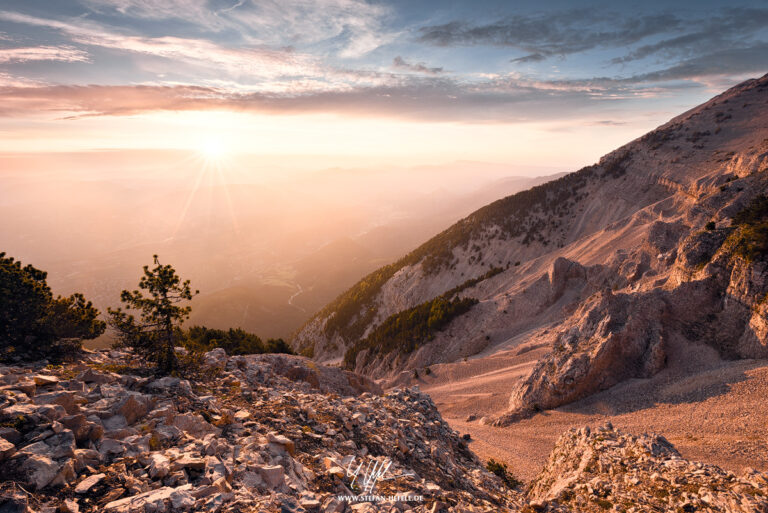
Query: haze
(275,152)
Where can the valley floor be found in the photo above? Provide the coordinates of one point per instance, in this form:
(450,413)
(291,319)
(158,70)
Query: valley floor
(713,411)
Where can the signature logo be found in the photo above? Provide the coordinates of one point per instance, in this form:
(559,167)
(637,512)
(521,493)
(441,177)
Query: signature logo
(367,476)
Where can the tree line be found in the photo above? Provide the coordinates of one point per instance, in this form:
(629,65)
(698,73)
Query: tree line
(34,324)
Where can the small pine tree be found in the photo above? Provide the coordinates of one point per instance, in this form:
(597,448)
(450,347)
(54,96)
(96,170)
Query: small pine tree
(153,336)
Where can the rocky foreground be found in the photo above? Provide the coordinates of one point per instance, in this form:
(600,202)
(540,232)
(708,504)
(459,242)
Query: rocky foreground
(280,433)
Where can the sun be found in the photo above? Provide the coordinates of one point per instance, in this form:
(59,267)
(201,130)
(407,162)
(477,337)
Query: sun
(213,149)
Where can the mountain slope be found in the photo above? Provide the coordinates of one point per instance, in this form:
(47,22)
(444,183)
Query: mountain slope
(605,268)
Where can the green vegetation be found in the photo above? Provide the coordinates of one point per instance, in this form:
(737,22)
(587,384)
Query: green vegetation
(233,341)
(473,281)
(406,331)
(34,324)
(750,239)
(500,469)
(155,335)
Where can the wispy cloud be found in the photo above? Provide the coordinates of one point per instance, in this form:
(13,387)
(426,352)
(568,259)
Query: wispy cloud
(419,67)
(433,98)
(43,53)
(548,34)
(682,45)
(352,27)
(258,62)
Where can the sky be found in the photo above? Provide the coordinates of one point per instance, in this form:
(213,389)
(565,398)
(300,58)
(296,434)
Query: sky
(359,82)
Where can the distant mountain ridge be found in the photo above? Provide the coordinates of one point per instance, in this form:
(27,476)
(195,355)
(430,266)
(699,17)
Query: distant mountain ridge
(608,267)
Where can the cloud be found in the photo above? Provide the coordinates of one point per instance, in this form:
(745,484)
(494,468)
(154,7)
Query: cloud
(43,53)
(672,40)
(719,63)
(257,62)
(353,27)
(544,35)
(191,10)
(732,28)
(400,63)
(431,98)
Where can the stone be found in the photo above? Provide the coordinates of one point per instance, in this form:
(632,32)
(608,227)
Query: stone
(41,380)
(215,358)
(273,475)
(89,482)
(69,506)
(310,504)
(188,462)
(86,457)
(64,398)
(109,446)
(14,503)
(284,442)
(194,425)
(252,479)
(133,407)
(62,445)
(93,376)
(165,384)
(148,501)
(65,475)
(7,449)
(242,415)
(159,466)
(39,471)
(10,434)
(182,500)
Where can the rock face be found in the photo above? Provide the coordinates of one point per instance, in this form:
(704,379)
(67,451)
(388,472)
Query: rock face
(610,267)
